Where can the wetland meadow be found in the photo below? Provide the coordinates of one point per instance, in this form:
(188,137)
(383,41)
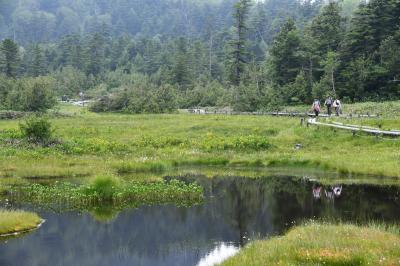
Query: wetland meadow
(185,189)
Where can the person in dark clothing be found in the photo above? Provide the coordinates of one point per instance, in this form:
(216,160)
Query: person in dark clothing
(328,104)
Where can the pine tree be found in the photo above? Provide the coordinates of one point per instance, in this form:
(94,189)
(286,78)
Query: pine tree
(238,55)
(286,55)
(10,58)
(95,55)
(327,29)
(181,68)
(37,67)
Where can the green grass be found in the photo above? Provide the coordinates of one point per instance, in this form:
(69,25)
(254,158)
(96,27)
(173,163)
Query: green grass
(17,221)
(324,244)
(106,191)
(131,145)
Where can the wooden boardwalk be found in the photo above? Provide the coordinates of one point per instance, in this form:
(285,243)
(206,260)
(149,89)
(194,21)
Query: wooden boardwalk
(356,128)
(287,114)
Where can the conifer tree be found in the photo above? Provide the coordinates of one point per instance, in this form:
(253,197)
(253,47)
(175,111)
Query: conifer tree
(37,67)
(9,59)
(238,55)
(285,54)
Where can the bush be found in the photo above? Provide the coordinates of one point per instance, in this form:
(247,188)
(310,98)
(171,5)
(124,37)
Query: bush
(138,99)
(105,187)
(37,129)
(29,94)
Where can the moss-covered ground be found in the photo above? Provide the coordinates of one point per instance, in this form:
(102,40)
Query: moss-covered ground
(15,221)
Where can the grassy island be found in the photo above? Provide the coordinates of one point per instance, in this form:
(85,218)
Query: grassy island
(320,244)
(17,221)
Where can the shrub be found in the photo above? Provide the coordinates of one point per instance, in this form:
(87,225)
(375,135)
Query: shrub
(31,94)
(37,129)
(105,187)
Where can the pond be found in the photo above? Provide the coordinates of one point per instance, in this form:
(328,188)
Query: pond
(236,210)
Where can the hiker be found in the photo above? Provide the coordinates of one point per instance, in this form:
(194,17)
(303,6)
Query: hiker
(316,106)
(329,194)
(328,104)
(337,190)
(338,107)
(317,192)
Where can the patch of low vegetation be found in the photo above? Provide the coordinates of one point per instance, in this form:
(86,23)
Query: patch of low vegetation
(14,221)
(37,129)
(107,191)
(324,244)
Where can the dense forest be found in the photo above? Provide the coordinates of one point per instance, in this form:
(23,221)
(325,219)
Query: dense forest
(159,55)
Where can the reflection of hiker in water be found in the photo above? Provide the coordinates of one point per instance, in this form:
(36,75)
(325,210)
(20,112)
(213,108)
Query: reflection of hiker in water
(329,193)
(333,192)
(317,191)
(337,190)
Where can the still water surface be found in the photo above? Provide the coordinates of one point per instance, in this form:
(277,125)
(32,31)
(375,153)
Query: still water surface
(235,211)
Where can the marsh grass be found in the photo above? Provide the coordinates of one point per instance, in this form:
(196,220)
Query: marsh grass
(325,244)
(106,191)
(14,221)
(119,144)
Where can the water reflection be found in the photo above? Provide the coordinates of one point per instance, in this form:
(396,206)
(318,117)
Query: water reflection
(219,254)
(234,211)
(331,192)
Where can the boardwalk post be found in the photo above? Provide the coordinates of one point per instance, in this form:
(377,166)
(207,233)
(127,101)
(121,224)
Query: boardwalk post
(302,122)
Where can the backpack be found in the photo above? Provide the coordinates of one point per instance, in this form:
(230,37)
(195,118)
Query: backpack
(317,106)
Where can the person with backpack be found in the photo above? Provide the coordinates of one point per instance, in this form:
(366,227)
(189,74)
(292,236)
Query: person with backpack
(316,106)
(328,104)
(338,107)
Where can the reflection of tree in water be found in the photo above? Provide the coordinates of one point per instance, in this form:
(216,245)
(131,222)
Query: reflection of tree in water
(258,207)
(104,214)
(272,204)
(363,204)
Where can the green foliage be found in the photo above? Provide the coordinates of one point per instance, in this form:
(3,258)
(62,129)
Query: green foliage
(104,186)
(238,55)
(9,58)
(241,143)
(38,94)
(37,129)
(149,167)
(246,55)
(285,57)
(140,98)
(28,94)
(70,81)
(104,190)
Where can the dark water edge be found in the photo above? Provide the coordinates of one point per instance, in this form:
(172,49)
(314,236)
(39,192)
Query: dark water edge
(236,210)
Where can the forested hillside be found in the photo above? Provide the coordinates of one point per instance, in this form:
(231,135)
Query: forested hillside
(156,56)
(47,20)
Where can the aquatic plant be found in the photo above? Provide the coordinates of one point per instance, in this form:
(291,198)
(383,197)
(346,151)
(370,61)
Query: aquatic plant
(104,186)
(106,191)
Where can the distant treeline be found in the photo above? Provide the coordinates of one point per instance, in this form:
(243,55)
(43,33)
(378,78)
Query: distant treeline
(263,56)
